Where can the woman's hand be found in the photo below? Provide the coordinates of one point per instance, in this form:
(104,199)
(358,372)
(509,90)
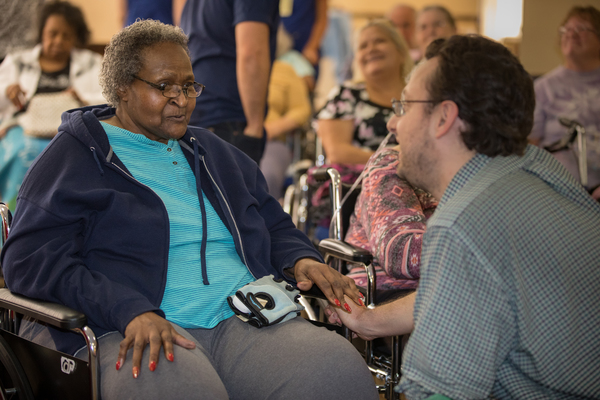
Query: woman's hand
(72,91)
(149,328)
(596,193)
(333,284)
(356,320)
(16,95)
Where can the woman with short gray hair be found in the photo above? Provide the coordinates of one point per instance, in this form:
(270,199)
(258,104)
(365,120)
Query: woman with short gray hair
(148,226)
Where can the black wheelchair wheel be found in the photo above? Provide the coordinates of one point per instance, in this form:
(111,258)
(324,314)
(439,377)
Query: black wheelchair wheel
(13,381)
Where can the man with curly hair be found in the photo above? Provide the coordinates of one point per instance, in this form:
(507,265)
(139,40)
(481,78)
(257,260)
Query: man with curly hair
(507,304)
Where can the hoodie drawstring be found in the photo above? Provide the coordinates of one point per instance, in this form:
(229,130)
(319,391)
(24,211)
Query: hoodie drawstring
(203,211)
(93,149)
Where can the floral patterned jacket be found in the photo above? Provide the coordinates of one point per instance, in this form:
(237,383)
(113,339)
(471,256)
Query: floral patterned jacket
(389,221)
(350,101)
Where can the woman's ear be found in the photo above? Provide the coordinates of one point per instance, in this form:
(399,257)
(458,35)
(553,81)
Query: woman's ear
(123,93)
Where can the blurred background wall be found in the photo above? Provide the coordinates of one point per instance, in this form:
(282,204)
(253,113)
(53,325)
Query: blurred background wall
(535,40)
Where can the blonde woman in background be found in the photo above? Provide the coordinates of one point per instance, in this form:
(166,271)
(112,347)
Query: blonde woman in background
(352,123)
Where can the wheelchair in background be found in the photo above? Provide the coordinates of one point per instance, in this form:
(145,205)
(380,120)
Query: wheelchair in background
(575,134)
(385,365)
(30,371)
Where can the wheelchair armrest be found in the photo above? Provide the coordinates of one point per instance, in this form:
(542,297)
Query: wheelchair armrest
(54,314)
(344,251)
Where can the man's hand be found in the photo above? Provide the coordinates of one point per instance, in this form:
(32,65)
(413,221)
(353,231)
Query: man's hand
(149,328)
(333,284)
(311,54)
(389,319)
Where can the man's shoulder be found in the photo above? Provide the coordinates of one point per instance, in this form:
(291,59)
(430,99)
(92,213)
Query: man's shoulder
(516,191)
(504,186)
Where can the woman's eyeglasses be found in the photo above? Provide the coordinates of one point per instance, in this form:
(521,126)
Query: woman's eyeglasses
(171,91)
(575,29)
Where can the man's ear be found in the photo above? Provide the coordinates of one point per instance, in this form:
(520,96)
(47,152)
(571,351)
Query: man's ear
(447,116)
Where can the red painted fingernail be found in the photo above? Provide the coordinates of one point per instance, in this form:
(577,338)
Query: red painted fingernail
(361,302)
(170,357)
(337,303)
(135,372)
(347,307)
(152,365)
(362,296)
(118,365)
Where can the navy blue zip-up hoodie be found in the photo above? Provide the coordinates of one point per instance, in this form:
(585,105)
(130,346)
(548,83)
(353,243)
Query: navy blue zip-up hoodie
(88,235)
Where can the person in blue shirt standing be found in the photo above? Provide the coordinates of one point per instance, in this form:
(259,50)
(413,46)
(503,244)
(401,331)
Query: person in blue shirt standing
(306,21)
(160,10)
(232,44)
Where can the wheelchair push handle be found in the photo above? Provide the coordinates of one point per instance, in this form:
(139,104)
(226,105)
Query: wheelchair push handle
(576,132)
(324,174)
(569,138)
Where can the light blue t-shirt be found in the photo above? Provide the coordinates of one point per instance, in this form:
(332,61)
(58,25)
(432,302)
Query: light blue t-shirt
(164,169)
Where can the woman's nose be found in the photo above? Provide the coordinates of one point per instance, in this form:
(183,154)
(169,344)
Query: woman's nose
(181,100)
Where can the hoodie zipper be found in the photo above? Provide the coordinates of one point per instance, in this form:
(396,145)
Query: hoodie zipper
(230,213)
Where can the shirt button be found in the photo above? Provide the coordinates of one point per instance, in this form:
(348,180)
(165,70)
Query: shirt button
(169,149)
(174,162)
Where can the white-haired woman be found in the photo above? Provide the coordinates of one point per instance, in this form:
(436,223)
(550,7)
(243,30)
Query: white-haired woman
(572,91)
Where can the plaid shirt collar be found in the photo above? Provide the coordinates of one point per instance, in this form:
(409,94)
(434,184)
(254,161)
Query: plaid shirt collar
(463,176)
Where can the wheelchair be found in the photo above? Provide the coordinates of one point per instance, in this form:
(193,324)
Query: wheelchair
(575,133)
(383,365)
(30,371)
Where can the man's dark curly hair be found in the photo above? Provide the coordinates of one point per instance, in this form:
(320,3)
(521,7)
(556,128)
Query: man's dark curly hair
(492,90)
(71,13)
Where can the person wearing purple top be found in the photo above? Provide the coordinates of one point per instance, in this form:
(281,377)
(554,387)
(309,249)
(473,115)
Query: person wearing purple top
(572,91)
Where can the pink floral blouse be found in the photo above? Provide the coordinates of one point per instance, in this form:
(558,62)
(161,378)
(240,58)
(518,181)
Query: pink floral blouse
(389,221)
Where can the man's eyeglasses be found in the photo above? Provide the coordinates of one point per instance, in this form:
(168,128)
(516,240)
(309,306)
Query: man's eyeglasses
(575,29)
(170,91)
(399,106)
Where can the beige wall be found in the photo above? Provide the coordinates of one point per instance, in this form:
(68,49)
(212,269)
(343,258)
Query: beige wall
(456,7)
(539,50)
(101,17)
(465,11)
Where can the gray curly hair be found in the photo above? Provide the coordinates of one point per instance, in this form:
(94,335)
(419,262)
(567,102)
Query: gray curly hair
(123,56)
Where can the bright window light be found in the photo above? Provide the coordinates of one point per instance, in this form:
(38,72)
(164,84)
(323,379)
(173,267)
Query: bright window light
(502,18)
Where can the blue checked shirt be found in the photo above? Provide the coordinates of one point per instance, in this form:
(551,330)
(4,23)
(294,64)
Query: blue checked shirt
(509,299)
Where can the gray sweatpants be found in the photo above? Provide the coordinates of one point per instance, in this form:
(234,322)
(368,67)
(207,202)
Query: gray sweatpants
(291,361)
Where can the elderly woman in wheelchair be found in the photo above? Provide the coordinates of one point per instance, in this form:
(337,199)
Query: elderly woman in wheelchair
(148,226)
